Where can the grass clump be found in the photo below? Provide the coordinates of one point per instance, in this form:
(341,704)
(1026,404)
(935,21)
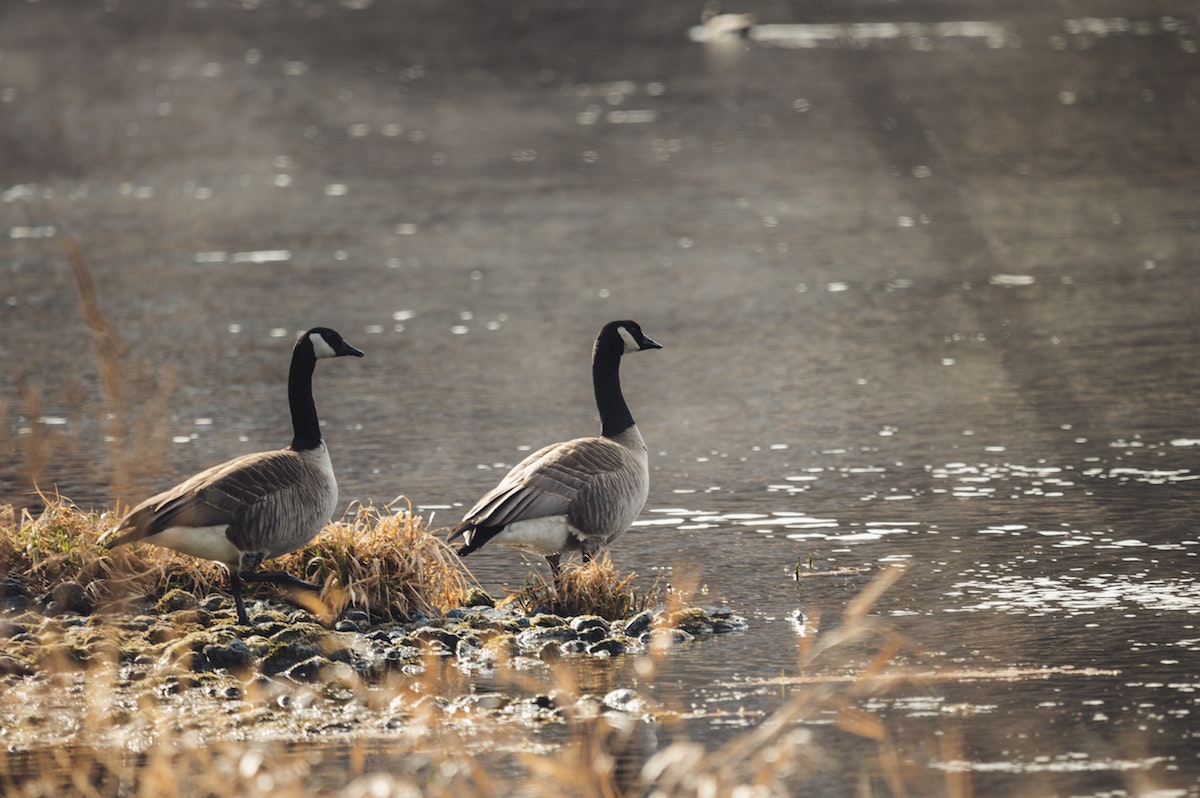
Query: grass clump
(384,562)
(592,588)
(381,561)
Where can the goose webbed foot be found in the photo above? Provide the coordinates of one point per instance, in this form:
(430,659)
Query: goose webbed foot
(281,578)
(245,572)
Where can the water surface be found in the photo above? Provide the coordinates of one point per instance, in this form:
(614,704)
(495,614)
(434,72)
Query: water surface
(922,274)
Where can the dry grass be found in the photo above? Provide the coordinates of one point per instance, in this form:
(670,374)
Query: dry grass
(592,588)
(384,562)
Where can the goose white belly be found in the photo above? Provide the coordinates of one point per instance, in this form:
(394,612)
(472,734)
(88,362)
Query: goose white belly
(545,536)
(208,542)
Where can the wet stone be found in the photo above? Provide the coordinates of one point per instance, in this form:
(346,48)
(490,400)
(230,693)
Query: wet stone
(359,616)
(574,647)
(10,628)
(67,597)
(534,638)
(12,666)
(14,595)
(581,623)
(307,670)
(666,636)
(624,700)
(176,600)
(477,597)
(287,656)
(232,656)
(639,623)
(439,640)
(608,647)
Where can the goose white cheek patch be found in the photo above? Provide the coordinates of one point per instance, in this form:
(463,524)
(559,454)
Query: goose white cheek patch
(630,344)
(321,347)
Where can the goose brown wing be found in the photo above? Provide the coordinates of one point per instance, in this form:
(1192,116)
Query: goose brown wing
(545,483)
(223,494)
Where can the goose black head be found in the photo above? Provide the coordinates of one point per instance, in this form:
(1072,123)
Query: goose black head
(631,334)
(329,343)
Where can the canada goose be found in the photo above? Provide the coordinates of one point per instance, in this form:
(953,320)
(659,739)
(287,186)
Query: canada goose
(579,494)
(257,506)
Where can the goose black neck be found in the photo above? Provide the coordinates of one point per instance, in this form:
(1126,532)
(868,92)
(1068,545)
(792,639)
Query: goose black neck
(615,417)
(306,430)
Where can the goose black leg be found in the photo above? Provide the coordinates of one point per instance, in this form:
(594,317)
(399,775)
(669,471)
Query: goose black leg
(235,587)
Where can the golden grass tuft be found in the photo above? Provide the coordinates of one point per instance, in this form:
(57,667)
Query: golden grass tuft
(384,562)
(592,588)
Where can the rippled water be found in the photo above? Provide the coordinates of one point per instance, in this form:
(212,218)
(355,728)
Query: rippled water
(924,286)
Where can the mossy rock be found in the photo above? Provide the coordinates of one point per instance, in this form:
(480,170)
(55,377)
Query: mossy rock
(310,633)
(478,597)
(285,657)
(232,656)
(547,619)
(503,645)
(692,620)
(175,600)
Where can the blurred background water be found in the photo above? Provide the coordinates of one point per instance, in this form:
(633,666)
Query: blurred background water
(924,273)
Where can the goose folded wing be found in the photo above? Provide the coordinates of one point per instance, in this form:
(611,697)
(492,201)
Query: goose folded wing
(222,494)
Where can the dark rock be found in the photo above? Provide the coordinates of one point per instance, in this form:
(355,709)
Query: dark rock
(340,654)
(734,623)
(307,670)
(639,623)
(14,595)
(608,647)
(11,586)
(67,597)
(287,656)
(593,634)
(441,641)
(581,622)
(534,638)
(10,628)
(233,656)
(574,647)
(11,666)
(347,625)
